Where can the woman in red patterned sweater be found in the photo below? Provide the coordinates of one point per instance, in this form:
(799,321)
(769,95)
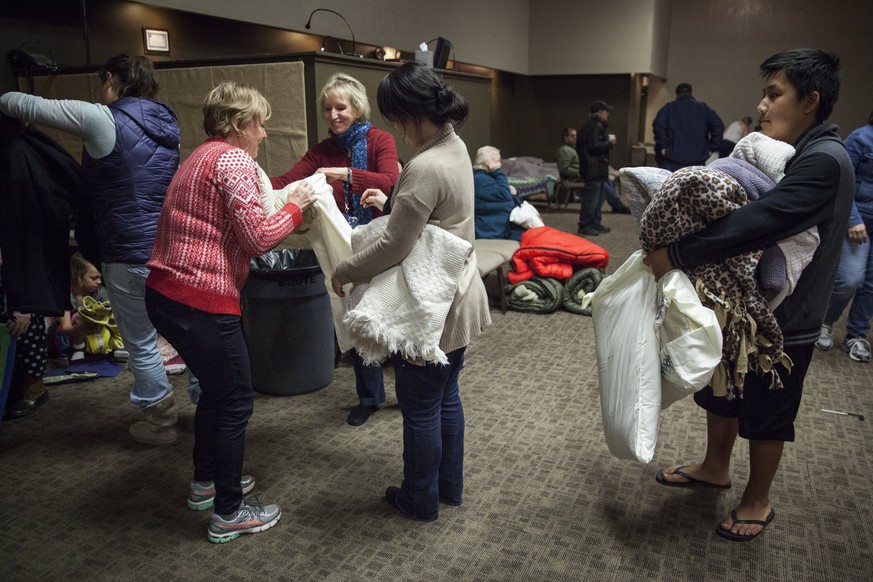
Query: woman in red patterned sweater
(211,225)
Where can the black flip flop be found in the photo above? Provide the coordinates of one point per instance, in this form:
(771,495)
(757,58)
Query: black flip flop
(729,535)
(692,482)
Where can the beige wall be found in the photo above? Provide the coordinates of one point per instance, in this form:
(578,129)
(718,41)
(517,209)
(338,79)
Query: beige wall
(573,37)
(492,33)
(717,47)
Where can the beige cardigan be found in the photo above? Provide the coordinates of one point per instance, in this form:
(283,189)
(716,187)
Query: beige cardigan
(435,187)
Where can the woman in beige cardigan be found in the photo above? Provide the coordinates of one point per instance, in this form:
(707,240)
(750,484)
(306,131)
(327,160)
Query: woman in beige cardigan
(435,187)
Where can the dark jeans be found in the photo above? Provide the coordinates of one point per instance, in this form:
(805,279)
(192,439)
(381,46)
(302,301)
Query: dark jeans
(433,434)
(214,348)
(593,195)
(369,383)
(612,197)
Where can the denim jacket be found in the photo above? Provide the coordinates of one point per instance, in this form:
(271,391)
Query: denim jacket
(859,144)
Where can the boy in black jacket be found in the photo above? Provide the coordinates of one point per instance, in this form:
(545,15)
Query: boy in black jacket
(800,89)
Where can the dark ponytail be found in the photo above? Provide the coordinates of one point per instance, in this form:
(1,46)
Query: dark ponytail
(414,92)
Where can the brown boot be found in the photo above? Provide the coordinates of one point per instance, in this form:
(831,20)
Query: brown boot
(33,395)
(159,426)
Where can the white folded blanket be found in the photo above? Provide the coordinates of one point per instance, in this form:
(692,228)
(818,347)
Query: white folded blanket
(403,310)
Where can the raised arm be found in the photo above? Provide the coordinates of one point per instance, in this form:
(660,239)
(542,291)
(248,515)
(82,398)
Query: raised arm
(92,123)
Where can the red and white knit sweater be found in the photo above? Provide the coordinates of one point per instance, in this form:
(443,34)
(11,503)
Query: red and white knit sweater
(211,225)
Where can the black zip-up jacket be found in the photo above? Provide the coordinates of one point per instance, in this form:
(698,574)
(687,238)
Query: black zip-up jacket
(593,147)
(817,190)
(39,184)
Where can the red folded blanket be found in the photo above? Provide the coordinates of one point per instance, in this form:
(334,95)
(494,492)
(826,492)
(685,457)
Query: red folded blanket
(549,252)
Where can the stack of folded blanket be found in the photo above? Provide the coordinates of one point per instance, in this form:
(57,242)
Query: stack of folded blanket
(546,294)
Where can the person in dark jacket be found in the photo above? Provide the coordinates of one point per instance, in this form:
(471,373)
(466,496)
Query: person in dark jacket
(41,184)
(131,152)
(593,145)
(800,90)
(686,130)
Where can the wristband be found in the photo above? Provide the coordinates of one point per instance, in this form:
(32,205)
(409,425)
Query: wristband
(349,175)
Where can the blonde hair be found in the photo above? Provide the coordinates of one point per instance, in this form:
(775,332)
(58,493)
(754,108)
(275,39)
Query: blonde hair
(351,89)
(79,266)
(485,154)
(231,106)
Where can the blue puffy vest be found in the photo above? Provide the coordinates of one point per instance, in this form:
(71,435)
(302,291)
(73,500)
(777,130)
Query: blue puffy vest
(128,186)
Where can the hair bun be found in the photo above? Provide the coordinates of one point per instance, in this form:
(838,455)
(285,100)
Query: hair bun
(443,95)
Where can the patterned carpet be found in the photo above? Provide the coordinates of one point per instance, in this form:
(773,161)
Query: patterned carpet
(543,498)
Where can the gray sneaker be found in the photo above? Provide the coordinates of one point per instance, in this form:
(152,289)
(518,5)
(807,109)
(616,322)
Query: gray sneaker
(202,495)
(253,516)
(858,348)
(825,339)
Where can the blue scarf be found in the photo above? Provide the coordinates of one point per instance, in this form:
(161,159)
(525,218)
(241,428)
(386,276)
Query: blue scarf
(354,140)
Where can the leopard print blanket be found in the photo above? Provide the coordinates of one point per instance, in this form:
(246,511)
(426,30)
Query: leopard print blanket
(687,201)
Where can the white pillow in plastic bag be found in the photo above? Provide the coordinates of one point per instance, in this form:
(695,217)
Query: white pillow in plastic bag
(624,308)
(690,338)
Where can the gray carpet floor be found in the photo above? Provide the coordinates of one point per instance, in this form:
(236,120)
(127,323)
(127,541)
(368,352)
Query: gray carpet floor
(543,499)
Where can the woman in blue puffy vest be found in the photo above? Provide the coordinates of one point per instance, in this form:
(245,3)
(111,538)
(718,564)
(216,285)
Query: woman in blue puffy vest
(131,151)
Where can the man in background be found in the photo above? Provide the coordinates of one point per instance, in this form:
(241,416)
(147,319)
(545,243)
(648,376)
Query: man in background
(686,130)
(593,148)
(568,169)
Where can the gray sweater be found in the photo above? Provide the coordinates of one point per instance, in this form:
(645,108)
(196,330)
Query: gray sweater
(435,187)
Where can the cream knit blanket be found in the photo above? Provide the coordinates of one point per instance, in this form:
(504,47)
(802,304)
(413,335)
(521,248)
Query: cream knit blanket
(403,310)
(324,230)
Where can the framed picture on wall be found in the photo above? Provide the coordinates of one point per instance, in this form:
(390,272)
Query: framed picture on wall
(156,41)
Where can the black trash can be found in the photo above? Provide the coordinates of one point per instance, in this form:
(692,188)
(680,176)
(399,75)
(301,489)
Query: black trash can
(287,323)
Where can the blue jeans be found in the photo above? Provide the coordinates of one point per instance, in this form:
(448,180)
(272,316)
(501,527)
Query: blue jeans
(125,285)
(213,346)
(611,197)
(854,278)
(593,194)
(433,434)
(369,383)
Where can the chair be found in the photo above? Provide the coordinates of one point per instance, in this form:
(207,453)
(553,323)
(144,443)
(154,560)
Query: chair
(491,256)
(564,191)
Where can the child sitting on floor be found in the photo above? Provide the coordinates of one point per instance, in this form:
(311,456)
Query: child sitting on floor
(90,326)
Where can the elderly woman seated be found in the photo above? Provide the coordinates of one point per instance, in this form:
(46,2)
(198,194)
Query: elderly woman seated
(495,198)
